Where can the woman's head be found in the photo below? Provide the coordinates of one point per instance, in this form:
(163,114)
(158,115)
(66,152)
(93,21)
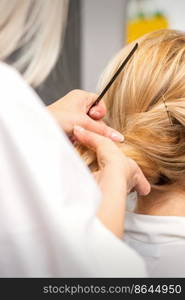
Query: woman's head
(34,27)
(147,104)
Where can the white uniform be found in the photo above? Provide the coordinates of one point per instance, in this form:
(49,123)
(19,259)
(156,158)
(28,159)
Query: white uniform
(161,242)
(48,198)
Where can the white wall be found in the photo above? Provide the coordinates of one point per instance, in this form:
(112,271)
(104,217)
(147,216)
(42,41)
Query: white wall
(102,36)
(175,10)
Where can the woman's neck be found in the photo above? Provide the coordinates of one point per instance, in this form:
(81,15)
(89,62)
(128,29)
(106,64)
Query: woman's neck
(169,203)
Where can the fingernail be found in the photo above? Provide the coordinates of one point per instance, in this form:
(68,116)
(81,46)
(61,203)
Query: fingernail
(117,137)
(79,128)
(95,113)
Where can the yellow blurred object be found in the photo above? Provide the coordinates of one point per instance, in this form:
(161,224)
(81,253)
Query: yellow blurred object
(142,25)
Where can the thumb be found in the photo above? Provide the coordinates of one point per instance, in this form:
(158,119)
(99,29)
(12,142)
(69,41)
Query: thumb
(101,128)
(88,138)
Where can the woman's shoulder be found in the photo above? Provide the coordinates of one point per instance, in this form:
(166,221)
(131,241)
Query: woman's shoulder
(7,75)
(7,68)
(155,229)
(160,240)
(12,84)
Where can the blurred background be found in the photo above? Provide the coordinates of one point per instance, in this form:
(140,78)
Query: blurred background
(96,30)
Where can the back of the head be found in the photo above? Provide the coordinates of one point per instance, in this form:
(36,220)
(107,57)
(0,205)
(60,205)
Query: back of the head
(147,104)
(31,31)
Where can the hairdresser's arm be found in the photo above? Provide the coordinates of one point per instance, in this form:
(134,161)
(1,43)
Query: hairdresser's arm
(117,176)
(72,110)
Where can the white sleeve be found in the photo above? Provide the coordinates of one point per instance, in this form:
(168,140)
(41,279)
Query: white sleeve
(48,199)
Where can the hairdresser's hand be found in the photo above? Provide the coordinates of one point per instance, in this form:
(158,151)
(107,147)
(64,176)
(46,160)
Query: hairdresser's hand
(72,110)
(117,176)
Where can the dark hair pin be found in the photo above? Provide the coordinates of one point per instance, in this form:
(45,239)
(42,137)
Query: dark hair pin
(168,112)
(114,76)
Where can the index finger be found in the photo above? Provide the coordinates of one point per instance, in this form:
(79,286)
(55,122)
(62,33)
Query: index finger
(142,186)
(98,111)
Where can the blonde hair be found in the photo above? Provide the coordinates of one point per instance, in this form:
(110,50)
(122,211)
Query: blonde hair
(147,104)
(32,30)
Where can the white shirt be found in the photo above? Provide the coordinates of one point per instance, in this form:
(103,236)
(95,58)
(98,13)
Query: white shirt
(161,242)
(48,198)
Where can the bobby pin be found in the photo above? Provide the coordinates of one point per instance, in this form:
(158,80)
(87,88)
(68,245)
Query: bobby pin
(168,112)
